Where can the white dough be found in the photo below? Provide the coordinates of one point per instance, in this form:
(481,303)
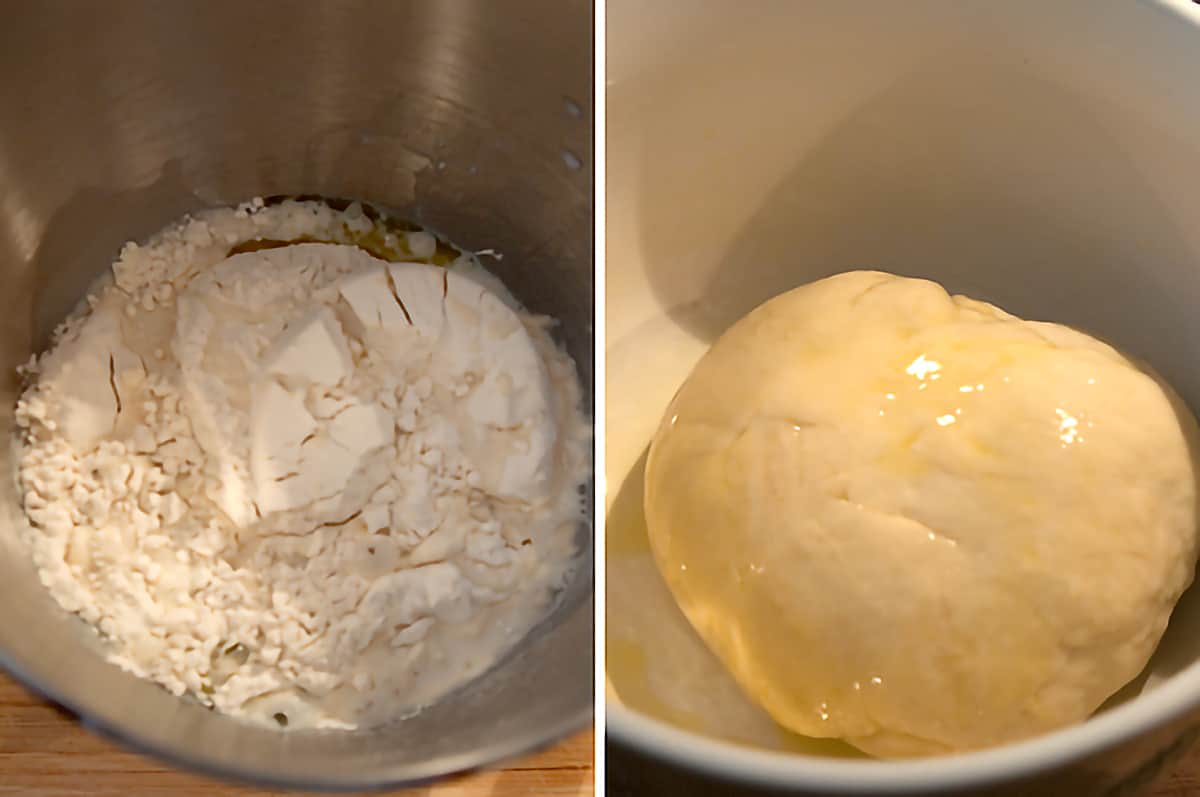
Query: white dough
(918,523)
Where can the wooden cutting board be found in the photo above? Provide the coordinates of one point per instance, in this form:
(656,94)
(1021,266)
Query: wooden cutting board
(1184,779)
(44,752)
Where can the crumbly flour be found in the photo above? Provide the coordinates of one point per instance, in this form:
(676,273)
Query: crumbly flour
(300,483)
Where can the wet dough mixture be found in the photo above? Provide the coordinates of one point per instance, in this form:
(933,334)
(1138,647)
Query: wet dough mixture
(301,483)
(920,524)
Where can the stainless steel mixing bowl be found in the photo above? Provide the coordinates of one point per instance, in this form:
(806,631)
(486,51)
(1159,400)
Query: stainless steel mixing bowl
(469,116)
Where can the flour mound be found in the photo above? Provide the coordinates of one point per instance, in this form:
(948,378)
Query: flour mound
(304,485)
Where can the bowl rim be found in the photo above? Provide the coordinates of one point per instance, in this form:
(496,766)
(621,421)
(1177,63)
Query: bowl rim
(377,779)
(1173,698)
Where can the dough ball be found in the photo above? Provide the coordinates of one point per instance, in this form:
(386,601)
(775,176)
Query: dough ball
(920,524)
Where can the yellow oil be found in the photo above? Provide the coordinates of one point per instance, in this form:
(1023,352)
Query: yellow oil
(638,655)
(386,239)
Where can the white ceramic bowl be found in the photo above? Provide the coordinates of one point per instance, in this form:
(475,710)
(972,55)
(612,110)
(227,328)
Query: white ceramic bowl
(1041,155)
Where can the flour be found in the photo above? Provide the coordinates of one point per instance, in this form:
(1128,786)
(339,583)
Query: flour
(303,484)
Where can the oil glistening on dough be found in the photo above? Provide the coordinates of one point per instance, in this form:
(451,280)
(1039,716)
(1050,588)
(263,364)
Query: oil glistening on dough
(917,523)
(307,466)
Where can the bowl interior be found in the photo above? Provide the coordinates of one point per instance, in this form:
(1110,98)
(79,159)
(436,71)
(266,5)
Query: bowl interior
(467,118)
(995,148)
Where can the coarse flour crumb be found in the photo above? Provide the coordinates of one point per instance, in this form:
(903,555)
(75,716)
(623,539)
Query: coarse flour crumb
(317,484)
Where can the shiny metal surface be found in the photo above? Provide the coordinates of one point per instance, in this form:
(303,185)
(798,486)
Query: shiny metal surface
(469,116)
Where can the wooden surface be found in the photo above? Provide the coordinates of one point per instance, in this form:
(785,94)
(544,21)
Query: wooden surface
(1182,781)
(44,752)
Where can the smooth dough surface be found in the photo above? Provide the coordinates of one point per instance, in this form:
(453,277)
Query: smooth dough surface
(920,524)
